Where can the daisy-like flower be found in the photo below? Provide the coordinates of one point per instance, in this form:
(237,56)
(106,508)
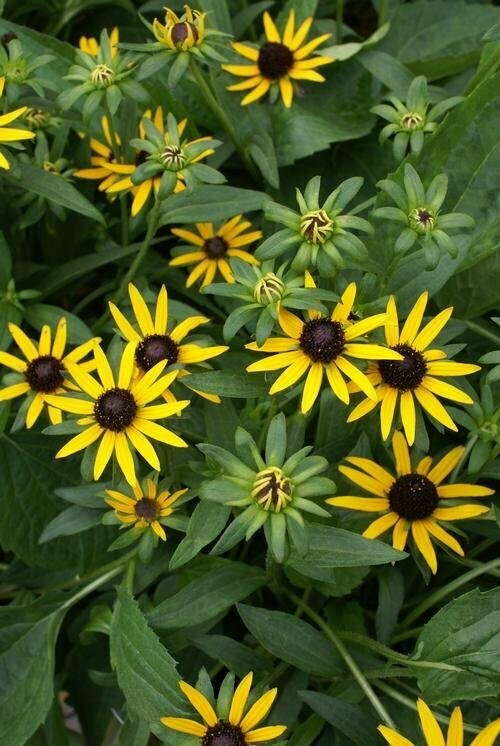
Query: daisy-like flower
(231,727)
(42,371)
(180,33)
(167,158)
(416,375)
(11,134)
(213,248)
(413,500)
(101,159)
(90,46)
(322,345)
(115,410)
(433,734)
(279,61)
(153,343)
(147,509)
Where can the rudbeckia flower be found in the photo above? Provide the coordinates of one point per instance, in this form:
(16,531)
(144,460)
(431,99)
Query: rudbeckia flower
(89,45)
(214,247)
(10,134)
(237,728)
(101,159)
(180,33)
(417,375)
(146,509)
(280,60)
(322,345)
(415,500)
(115,410)
(153,344)
(42,371)
(433,734)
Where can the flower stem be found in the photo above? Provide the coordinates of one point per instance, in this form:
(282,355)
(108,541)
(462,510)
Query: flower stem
(224,120)
(382,12)
(348,660)
(92,586)
(478,329)
(440,593)
(390,654)
(468,448)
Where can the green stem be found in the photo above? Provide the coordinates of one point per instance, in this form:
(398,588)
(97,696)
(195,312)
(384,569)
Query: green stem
(382,12)
(130,575)
(339,19)
(435,598)
(224,120)
(408,635)
(407,702)
(87,589)
(468,448)
(390,654)
(467,562)
(348,659)
(478,329)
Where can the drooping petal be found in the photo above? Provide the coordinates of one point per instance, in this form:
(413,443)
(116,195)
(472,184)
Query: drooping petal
(424,544)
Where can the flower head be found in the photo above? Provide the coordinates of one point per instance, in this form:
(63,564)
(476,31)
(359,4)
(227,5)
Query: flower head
(319,234)
(23,69)
(416,376)
(414,500)
(419,210)
(181,33)
(42,371)
(146,510)
(270,489)
(321,345)
(10,134)
(153,343)
(279,61)
(214,246)
(433,734)
(232,728)
(101,159)
(410,121)
(114,409)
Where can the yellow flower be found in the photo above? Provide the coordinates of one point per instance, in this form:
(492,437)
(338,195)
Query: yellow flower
(146,508)
(42,372)
(152,342)
(433,734)
(238,729)
(11,134)
(321,345)
(101,160)
(91,45)
(417,375)
(214,247)
(412,500)
(279,60)
(181,33)
(142,192)
(115,410)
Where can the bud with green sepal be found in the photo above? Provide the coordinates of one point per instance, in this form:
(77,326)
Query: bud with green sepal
(482,420)
(21,69)
(409,121)
(274,490)
(318,235)
(418,209)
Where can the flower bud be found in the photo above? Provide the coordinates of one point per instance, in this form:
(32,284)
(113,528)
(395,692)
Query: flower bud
(269,289)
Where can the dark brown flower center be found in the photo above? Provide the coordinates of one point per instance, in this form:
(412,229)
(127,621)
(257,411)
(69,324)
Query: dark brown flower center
(180,32)
(146,509)
(413,497)
(322,340)
(223,734)
(44,374)
(425,217)
(215,247)
(406,374)
(115,409)
(154,348)
(274,60)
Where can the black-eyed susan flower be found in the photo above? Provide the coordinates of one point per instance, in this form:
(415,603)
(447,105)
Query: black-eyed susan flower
(214,246)
(42,371)
(433,734)
(153,343)
(11,134)
(414,500)
(90,46)
(232,721)
(418,209)
(271,490)
(417,375)
(164,163)
(115,410)
(180,33)
(318,235)
(321,345)
(100,160)
(145,510)
(279,62)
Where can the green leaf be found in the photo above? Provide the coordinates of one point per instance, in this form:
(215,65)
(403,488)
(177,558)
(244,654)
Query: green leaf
(208,596)
(351,720)
(464,633)
(55,188)
(71,521)
(292,640)
(206,522)
(212,203)
(235,656)
(228,383)
(39,314)
(391,593)
(145,670)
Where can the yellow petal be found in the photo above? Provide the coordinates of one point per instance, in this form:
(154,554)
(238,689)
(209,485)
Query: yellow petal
(144,447)
(312,387)
(268,733)
(391,328)
(450,368)
(432,329)
(393,738)
(104,453)
(104,369)
(45,340)
(368,483)
(424,544)
(286,89)
(372,469)
(337,383)
(60,339)
(270,28)
(70,404)
(414,319)
(290,375)
(306,50)
(342,310)
(141,197)
(246,71)
(364,407)
(274,344)
(289,31)
(246,51)
(401,454)
(124,325)
(441,388)
(455,729)
(275,362)
(258,711)
(400,534)
(240,698)
(380,525)
(184,725)
(190,353)
(290,323)
(126,366)
(356,375)
(23,342)
(301,34)
(387,411)
(488,735)
(460,512)
(407,409)
(10,361)
(161,313)
(433,406)
(124,458)
(360,328)
(259,91)
(200,703)
(464,490)
(186,326)
(141,311)
(443,536)
(34,410)
(158,432)
(188,236)
(80,441)
(366,504)
(430,725)
(445,465)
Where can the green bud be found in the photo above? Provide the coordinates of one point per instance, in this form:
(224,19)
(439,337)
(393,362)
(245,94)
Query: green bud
(102,76)
(272,490)
(316,226)
(269,289)
(422,220)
